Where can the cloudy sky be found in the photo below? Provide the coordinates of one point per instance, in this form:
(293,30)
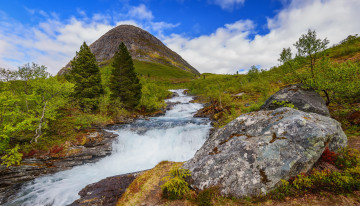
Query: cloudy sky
(217,36)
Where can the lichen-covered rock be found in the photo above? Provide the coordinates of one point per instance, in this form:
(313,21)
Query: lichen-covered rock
(251,154)
(307,100)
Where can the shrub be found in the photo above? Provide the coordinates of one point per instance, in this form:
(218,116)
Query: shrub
(284,190)
(175,186)
(347,158)
(302,183)
(13,157)
(328,156)
(205,197)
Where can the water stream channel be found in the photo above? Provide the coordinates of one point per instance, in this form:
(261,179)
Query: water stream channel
(176,136)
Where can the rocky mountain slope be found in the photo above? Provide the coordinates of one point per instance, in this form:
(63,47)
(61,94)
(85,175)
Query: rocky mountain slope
(141,44)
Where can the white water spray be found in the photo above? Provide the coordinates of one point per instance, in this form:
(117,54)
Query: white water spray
(141,145)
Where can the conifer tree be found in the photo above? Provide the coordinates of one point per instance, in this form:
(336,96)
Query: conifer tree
(86,76)
(124,83)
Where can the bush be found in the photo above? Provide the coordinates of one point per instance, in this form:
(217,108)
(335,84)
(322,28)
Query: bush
(347,158)
(302,183)
(284,190)
(205,197)
(328,156)
(339,182)
(175,186)
(13,157)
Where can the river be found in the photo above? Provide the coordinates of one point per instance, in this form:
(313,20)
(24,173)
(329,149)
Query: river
(176,136)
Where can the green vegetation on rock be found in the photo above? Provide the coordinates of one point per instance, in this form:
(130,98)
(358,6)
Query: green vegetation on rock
(175,186)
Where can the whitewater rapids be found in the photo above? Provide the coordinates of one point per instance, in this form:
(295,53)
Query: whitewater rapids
(176,136)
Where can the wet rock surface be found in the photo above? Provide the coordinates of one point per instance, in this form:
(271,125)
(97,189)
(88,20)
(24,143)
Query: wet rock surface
(105,192)
(307,100)
(97,146)
(251,154)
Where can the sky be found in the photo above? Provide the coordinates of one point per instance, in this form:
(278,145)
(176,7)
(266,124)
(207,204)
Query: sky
(215,36)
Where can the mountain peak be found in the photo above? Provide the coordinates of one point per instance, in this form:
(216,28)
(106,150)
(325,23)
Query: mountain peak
(141,44)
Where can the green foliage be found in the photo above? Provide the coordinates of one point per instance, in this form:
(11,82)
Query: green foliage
(204,198)
(34,71)
(85,75)
(124,83)
(285,55)
(161,72)
(347,158)
(153,96)
(282,191)
(86,120)
(347,47)
(343,181)
(302,183)
(309,46)
(253,73)
(28,106)
(7,75)
(339,82)
(175,186)
(12,157)
(284,104)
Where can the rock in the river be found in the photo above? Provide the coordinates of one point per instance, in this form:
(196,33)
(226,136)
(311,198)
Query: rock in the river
(251,154)
(173,94)
(306,100)
(97,146)
(105,192)
(170,105)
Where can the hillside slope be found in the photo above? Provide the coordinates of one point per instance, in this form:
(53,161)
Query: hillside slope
(142,46)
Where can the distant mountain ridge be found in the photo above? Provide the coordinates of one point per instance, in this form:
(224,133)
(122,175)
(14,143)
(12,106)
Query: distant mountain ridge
(141,44)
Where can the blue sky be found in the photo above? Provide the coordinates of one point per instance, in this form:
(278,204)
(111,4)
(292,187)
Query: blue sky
(218,36)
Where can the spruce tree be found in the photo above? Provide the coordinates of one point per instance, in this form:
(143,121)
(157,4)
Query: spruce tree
(124,83)
(86,76)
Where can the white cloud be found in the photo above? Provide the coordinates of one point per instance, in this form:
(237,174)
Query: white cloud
(228,4)
(140,12)
(53,43)
(229,48)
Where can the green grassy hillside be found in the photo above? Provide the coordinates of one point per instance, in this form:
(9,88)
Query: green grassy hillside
(160,71)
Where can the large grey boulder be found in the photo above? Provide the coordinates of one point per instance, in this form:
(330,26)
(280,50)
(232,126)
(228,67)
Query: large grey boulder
(307,100)
(251,154)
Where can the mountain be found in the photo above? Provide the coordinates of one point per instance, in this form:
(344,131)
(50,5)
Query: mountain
(142,46)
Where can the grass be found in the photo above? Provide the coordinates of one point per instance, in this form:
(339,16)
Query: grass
(160,71)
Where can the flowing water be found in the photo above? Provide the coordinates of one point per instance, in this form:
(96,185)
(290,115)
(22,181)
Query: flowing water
(175,136)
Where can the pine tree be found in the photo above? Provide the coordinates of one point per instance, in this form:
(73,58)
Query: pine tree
(124,83)
(86,76)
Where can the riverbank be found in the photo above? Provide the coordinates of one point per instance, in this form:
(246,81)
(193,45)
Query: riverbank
(140,146)
(98,144)
(90,146)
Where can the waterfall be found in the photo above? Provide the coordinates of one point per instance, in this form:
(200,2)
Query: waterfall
(176,136)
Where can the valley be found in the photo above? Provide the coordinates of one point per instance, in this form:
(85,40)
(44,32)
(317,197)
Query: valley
(172,122)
